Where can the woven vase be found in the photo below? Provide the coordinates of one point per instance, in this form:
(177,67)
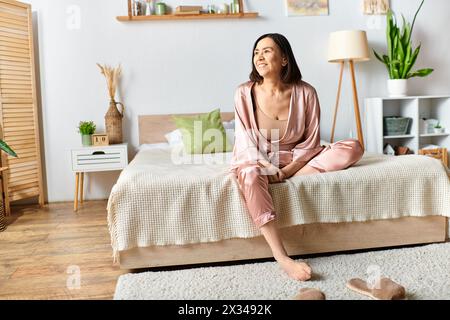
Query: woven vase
(2,217)
(113,122)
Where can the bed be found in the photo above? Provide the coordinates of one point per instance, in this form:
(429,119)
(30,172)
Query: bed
(169,209)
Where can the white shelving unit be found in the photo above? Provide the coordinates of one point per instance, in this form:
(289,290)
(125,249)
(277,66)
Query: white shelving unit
(415,107)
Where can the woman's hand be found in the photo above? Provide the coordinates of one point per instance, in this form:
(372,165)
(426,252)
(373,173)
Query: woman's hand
(276,176)
(292,168)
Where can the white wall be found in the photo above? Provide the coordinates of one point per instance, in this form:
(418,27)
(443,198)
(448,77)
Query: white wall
(195,66)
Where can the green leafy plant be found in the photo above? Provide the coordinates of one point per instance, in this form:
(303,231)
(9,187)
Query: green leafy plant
(86,127)
(438,125)
(4,146)
(400,58)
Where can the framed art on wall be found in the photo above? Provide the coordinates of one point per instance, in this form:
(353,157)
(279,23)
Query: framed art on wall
(306,8)
(376,7)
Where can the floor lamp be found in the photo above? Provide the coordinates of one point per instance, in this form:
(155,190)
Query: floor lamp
(351,46)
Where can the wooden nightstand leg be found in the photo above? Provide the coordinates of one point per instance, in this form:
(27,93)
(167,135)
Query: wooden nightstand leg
(81,187)
(75,202)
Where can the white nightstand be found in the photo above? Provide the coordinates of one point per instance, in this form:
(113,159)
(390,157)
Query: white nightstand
(96,158)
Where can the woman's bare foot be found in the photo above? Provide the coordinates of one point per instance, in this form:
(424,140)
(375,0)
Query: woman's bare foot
(295,270)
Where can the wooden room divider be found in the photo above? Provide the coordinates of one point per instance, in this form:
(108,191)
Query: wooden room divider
(18,104)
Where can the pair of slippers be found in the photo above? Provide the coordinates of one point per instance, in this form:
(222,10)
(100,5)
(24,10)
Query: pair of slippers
(385,289)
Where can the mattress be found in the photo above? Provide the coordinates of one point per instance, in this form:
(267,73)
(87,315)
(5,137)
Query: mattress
(165,198)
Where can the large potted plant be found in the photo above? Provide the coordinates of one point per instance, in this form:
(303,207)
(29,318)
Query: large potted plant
(400,57)
(4,146)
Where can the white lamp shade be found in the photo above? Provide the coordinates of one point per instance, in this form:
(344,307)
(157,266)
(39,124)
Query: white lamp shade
(348,45)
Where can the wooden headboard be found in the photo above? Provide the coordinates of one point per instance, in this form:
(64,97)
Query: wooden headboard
(152,128)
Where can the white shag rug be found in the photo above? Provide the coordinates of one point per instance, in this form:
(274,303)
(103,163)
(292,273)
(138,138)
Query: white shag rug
(423,270)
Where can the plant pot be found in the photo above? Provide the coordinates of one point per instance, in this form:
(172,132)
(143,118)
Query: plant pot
(86,140)
(397,87)
(439,130)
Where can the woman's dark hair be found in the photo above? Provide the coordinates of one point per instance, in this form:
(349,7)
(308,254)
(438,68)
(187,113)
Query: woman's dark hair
(290,74)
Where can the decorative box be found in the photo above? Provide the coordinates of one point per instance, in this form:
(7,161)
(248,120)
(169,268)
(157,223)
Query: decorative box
(100,139)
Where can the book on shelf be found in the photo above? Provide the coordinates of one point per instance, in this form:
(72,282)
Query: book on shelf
(188,8)
(180,13)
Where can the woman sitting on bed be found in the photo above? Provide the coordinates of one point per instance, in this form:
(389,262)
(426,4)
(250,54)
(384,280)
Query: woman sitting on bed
(277,136)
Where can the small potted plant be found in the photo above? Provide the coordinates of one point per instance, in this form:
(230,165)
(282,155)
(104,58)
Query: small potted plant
(438,128)
(87,129)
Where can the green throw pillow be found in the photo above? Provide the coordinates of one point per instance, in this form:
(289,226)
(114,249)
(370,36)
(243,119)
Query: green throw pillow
(203,133)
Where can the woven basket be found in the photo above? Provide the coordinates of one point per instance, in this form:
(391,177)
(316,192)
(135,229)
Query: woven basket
(113,122)
(2,217)
(396,125)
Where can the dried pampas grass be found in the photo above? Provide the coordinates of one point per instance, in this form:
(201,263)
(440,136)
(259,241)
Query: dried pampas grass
(112,76)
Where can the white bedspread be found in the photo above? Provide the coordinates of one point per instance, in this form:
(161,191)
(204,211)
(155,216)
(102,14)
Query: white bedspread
(156,202)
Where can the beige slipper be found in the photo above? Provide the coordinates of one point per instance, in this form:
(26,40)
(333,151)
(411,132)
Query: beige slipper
(310,294)
(386,290)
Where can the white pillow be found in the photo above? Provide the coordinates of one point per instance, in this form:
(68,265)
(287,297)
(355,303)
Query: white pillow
(175,137)
(229,130)
(228,124)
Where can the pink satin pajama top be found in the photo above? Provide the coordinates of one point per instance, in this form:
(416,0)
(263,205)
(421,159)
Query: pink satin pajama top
(301,139)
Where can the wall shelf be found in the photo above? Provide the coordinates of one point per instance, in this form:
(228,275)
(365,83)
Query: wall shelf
(240,15)
(190,16)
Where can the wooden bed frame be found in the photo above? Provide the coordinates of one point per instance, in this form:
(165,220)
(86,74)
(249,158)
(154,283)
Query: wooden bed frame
(298,240)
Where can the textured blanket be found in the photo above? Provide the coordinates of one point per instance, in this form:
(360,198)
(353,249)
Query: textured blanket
(160,199)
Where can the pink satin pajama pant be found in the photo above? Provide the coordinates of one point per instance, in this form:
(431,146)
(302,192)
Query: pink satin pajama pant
(255,186)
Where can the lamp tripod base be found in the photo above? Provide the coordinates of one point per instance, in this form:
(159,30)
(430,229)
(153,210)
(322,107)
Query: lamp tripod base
(355,103)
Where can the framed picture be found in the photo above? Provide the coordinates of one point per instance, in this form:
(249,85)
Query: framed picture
(306,8)
(376,6)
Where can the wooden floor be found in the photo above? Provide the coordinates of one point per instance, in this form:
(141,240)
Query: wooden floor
(42,248)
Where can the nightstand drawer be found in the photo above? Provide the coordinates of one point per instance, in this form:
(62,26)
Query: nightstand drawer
(99,158)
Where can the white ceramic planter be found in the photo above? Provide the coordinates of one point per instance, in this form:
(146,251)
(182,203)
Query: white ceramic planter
(439,130)
(397,87)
